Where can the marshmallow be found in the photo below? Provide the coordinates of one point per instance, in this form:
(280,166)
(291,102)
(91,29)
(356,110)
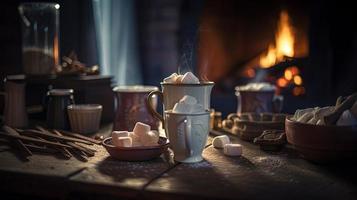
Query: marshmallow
(347,119)
(300,112)
(181,108)
(188,108)
(156,133)
(179,79)
(312,121)
(188,105)
(233,149)
(220,141)
(150,139)
(322,112)
(135,140)
(354,110)
(197,108)
(122,141)
(171,79)
(141,129)
(305,117)
(188,100)
(120,134)
(189,78)
(320,122)
(256,87)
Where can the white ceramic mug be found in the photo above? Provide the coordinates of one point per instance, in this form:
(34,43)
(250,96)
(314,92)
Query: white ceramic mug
(187,134)
(172,93)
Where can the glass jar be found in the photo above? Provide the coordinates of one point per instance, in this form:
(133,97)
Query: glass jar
(57,102)
(40,37)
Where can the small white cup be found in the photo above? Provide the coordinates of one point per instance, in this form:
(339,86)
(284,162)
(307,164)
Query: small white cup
(84,118)
(187,134)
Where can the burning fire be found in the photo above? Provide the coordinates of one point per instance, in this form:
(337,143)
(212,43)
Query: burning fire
(284,43)
(284,46)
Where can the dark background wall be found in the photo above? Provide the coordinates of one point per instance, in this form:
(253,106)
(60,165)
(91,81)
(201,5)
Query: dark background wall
(169,29)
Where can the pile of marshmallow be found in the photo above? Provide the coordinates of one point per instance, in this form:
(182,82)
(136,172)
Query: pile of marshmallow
(188,105)
(316,116)
(187,78)
(140,136)
(256,87)
(229,149)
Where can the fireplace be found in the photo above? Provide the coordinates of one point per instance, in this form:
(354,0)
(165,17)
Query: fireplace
(292,44)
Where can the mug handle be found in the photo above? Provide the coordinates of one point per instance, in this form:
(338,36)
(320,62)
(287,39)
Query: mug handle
(278,103)
(188,128)
(150,104)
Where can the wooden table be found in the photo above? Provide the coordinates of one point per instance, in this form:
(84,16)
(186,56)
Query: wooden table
(255,175)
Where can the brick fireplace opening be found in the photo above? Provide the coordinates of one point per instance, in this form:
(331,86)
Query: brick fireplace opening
(297,45)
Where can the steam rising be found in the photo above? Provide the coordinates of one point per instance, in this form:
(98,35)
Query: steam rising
(187,60)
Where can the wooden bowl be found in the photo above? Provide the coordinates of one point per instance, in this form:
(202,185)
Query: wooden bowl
(136,153)
(322,143)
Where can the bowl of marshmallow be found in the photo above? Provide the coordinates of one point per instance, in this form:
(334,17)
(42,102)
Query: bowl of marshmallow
(325,134)
(138,145)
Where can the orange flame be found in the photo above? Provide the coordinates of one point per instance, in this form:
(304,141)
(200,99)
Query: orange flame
(284,43)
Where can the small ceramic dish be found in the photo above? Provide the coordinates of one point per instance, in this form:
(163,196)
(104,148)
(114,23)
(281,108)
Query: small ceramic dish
(322,143)
(271,140)
(136,153)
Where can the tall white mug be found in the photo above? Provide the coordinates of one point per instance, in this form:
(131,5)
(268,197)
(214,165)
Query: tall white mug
(172,93)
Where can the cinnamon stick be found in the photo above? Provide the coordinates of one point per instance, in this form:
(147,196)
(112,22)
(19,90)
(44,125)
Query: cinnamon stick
(60,150)
(84,150)
(40,148)
(61,138)
(64,150)
(38,141)
(26,152)
(79,136)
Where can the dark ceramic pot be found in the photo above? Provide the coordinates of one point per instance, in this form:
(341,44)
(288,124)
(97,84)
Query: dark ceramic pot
(258,101)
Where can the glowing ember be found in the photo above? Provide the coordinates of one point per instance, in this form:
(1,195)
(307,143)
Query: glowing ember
(298,91)
(297,80)
(294,70)
(282,82)
(249,72)
(288,74)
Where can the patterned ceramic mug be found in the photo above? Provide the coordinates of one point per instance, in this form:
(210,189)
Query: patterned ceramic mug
(187,134)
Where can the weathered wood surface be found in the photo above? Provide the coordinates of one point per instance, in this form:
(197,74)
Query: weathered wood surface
(257,174)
